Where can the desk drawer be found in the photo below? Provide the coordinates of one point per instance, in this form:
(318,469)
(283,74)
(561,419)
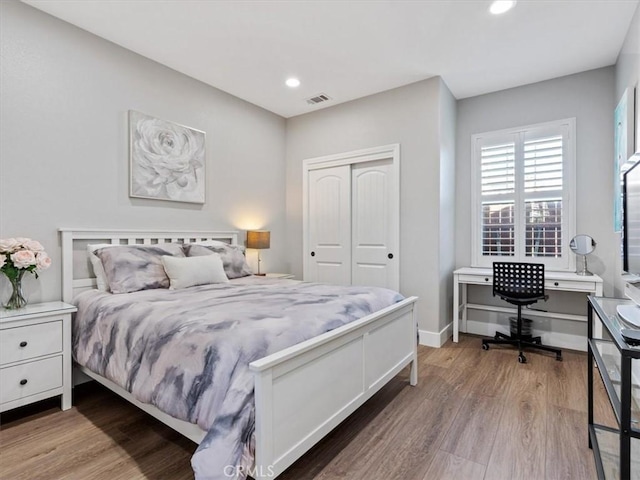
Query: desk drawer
(23,343)
(30,378)
(570,285)
(476,279)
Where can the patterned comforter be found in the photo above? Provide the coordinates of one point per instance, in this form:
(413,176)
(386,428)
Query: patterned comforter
(188,351)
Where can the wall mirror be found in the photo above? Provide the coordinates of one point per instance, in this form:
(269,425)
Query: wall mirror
(582,245)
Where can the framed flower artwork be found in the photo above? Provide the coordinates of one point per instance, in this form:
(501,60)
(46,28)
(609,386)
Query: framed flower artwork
(167,160)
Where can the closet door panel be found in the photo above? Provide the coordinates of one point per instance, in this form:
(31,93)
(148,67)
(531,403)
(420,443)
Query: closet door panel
(374,225)
(329,222)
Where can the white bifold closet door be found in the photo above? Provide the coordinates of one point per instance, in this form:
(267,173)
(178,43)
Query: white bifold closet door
(330,226)
(374,225)
(353,222)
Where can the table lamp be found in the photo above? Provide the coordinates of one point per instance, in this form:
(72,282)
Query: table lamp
(258,239)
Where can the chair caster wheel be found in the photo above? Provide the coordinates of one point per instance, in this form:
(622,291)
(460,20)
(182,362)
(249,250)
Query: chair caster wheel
(522,358)
(485,346)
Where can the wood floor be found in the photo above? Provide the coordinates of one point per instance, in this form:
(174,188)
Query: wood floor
(473,415)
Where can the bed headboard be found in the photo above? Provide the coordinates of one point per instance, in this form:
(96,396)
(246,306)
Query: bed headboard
(77,274)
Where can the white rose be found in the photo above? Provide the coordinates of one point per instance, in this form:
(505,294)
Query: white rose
(33,245)
(22,240)
(23,258)
(3,260)
(8,245)
(169,159)
(43,261)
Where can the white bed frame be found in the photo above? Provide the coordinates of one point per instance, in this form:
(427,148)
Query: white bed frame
(302,392)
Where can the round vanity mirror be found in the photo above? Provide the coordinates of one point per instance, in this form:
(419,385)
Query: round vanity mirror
(582,245)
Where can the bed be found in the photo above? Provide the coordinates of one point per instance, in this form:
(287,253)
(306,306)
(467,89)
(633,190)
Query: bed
(337,370)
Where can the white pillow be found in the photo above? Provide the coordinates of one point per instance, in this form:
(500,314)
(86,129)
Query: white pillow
(96,263)
(186,272)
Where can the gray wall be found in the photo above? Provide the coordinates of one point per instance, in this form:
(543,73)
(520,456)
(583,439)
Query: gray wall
(64,143)
(409,116)
(627,76)
(588,97)
(448,118)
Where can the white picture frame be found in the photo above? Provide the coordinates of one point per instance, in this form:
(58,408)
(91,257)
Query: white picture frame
(167,160)
(624,134)
(637,118)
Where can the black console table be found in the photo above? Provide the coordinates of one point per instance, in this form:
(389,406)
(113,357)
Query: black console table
(616,450)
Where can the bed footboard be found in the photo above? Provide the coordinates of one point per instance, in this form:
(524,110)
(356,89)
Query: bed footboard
(305,391)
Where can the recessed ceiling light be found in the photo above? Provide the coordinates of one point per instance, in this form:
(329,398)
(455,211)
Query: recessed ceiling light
(292,82)
(501,6)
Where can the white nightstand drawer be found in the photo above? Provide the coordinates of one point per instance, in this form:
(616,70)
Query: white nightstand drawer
(30,378)
(23,343)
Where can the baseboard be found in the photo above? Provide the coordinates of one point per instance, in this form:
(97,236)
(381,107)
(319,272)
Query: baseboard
(553,339)
(435,339)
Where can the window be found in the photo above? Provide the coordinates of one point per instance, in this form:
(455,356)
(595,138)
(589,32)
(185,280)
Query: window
(523,195)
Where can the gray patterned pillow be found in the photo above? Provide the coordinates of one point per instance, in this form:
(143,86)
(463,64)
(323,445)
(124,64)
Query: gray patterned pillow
(133,268)
(233,260)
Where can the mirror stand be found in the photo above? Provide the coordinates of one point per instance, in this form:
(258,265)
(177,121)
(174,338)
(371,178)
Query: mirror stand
(582,245)
(584,270)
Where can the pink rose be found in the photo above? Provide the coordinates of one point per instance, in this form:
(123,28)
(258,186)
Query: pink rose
(33,245)
(8,245)
(43,261)
(23,258)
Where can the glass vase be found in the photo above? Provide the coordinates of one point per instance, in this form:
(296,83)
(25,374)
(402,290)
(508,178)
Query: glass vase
(16,300)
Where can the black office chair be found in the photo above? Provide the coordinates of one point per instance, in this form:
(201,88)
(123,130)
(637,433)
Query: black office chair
(519,284)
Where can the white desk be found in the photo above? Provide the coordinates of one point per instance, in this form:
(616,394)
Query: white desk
(563,281)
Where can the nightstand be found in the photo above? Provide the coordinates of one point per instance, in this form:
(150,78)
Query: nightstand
(280,275)
(35,354)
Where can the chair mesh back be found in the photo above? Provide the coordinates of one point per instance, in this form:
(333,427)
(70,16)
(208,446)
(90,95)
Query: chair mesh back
(523,280)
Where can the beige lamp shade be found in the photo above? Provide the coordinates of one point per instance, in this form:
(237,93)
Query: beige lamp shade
(258,239)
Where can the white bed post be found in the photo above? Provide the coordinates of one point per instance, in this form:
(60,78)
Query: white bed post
(264,424)
(413,373)
(67,265)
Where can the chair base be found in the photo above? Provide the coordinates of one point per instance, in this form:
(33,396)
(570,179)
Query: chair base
(522,343)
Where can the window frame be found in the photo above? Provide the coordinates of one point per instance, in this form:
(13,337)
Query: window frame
(565,127)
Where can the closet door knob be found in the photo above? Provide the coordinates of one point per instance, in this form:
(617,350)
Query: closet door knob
(313,254)
(23,381)
(390,256)
(23,344)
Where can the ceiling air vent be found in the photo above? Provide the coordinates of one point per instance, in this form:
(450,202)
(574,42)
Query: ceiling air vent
(321,97)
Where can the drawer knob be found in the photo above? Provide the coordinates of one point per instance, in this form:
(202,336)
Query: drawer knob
(486,279)
(23,381)
(556,284)
(23,344)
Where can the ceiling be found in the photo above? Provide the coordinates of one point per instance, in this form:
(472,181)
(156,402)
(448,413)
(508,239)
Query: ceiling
(352,48)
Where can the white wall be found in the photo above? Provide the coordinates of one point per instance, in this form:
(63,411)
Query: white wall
(64,143)
(409,116)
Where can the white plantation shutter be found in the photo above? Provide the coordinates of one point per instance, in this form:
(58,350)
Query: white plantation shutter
(523,194)
(543,181)
(498,169)
(498,189)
